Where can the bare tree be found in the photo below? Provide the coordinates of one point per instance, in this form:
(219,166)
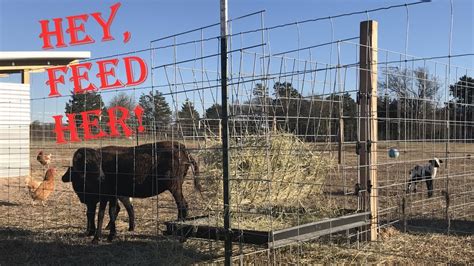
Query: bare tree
(414,93)
(411,84)
(124,100)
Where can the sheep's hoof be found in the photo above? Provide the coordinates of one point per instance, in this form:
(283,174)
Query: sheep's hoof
(182,214)
(90,233)
(181,218)
(95,241)
(111,237)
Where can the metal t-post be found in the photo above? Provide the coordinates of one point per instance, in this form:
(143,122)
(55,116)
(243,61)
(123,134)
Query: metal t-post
(225,134)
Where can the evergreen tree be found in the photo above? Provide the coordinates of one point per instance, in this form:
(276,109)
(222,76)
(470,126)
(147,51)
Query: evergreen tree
(260,94)
(214,111)
(463,90)
(213,114)
(260,102)
(80,102)
(461,108)
(349,111)
(188,113)
(156,110)
(188,117)
(287,104)
(285,90)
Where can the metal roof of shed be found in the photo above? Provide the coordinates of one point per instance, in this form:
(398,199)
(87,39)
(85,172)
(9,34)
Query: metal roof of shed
(17,61)
(45,55)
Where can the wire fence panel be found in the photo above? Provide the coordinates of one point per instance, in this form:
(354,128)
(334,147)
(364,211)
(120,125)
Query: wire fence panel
(297,120)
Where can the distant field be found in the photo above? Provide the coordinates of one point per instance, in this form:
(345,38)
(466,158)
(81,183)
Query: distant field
(53,234)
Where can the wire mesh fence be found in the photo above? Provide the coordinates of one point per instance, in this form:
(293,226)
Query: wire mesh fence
(295,123)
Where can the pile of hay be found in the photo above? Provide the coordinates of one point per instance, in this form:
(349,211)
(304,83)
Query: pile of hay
(265,171)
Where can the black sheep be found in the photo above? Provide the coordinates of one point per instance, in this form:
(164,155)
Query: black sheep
(140,172)
(89,192)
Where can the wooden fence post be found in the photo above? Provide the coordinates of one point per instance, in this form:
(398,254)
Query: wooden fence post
(368,134)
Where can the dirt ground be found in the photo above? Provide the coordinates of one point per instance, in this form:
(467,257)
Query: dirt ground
(54,234)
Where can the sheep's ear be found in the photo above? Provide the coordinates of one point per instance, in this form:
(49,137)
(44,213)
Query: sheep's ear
(67,176)
(434,163)
(440,161)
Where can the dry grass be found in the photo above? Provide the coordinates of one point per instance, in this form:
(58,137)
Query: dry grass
(53,234)
(400,248)
(275,181)
(278,169)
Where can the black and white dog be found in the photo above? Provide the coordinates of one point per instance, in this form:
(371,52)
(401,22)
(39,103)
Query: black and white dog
(425,172)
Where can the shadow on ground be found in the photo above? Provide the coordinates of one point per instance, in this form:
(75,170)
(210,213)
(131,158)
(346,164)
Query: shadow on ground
(439,226)
(18,246)
(8,204)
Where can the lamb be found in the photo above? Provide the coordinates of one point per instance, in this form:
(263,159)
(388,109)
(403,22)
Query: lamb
(426,172)
(89,192)
(142,171)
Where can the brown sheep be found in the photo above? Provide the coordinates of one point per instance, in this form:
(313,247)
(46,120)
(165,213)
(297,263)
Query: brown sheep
(139,172)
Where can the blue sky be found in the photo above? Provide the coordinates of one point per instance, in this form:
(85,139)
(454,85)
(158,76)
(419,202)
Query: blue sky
(428,33)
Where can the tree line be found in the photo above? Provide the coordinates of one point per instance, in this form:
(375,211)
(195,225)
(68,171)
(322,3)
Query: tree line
(409,107)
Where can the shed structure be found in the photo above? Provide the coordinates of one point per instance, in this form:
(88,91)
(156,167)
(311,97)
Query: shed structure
(15,105)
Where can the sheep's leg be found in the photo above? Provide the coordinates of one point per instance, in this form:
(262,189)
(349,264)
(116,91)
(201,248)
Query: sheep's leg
(180,203)
(429,186)
(412,184)
(131,213)
(409,186)
(117,211)
(112,207)
(100,221)
(90,219)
